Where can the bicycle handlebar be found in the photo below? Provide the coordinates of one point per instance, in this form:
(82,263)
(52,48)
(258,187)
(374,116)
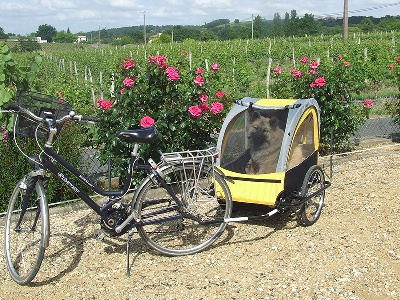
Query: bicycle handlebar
(71,115)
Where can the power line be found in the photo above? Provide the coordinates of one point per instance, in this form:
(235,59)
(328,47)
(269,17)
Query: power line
(359,10)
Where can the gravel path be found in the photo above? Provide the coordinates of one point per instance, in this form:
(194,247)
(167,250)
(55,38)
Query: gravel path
(352,252)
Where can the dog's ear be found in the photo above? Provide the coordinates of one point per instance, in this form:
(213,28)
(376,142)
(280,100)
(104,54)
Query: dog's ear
(254,114)
(274,122)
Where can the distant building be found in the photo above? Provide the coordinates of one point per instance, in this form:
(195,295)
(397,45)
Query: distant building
(40,41)
(153,37)
(81,38)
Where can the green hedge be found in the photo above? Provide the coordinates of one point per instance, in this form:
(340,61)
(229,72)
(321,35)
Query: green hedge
(14,165)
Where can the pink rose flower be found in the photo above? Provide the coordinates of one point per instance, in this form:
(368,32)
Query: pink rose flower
(146,122)
(161,62)
(398,59)
(277,70)
(203,97)
(304,59)
(122,91)
(340,57)
(314,65)
(312,85)
(216,107)
(128,64)
(346,63)
(215,67)
(204,107)
(219,95)
(172,74)
(297,74)
(129,81)
(195,111)
(320,81)
(368,103)
(199,71)
(199,80)
(391,66)
(104,104)
(312,72)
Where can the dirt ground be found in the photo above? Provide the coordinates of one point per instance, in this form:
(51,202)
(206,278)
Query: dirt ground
(352,252)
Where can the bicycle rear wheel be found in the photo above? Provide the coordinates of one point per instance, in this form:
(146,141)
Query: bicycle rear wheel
(207,201)
(27,229)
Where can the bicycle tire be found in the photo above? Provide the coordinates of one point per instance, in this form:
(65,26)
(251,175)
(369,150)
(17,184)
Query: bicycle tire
(171,233)
(310,211)
(25,241)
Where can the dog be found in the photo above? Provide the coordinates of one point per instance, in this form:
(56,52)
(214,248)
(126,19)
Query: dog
(264,143)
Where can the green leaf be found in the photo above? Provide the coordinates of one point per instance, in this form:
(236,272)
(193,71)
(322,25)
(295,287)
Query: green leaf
(38,59)
(4,97)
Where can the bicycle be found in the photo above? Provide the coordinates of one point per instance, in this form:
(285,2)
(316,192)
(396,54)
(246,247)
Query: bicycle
(180,207)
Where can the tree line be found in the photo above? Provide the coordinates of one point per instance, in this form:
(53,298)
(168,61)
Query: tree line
(222,29)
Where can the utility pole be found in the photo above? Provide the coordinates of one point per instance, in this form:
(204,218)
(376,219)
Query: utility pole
(252,27)
(144,26)
(346,20)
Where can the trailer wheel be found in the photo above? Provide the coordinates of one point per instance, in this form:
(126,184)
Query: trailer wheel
(311,210)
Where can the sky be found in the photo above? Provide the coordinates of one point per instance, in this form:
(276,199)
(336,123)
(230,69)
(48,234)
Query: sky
(24,16)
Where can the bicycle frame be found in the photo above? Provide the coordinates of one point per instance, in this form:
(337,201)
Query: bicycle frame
(47,161)
(51,155)
(104,211)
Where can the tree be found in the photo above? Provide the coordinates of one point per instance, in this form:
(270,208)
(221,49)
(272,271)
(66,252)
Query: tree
(2,34)
(389,23)
(277,26)
(65,37)
(366,25)
(163,39)
(207,35)
(46,32)
(257,27)
(28,45)
(137,36)
(307,25)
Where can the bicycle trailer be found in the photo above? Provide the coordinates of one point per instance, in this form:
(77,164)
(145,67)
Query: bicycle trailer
(269,154)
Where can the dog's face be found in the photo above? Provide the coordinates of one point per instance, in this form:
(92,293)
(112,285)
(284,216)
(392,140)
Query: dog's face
(264,133)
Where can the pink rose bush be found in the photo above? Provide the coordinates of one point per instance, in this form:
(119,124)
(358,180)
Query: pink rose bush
(393,106)
(186,105)
(332,82)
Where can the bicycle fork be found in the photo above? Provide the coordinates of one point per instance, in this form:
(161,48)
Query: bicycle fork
(29,184)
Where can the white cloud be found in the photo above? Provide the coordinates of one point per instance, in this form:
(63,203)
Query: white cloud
(130,5)
(197,12)
(24,16)
(213,3)
(57,4)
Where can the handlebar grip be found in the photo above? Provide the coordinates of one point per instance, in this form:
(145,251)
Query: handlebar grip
(13,107)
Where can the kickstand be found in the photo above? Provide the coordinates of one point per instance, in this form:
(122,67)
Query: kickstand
(128,269)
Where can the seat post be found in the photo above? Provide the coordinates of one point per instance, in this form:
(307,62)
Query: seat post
(135,150)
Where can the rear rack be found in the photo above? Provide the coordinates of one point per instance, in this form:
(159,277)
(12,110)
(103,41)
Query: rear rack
(205,156)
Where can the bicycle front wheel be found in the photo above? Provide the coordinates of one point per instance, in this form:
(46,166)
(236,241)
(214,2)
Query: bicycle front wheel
(207,202)
(26,233)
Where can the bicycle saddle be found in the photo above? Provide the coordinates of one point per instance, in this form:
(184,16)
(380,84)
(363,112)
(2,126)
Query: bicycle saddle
(141,135)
